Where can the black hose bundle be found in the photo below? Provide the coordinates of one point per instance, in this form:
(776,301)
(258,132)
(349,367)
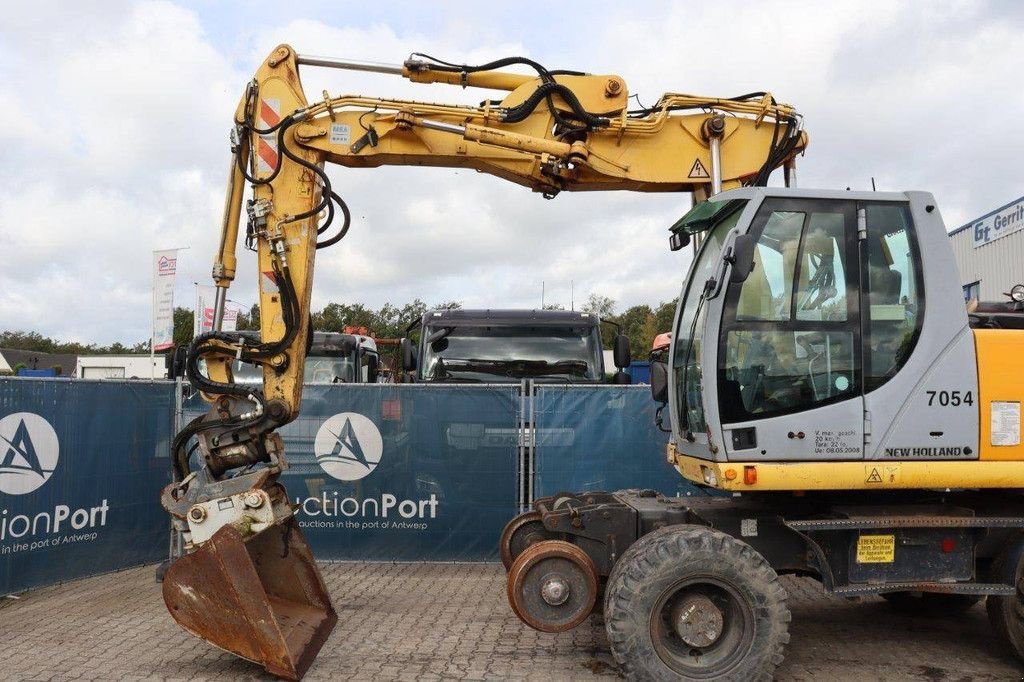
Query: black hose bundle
(584,120)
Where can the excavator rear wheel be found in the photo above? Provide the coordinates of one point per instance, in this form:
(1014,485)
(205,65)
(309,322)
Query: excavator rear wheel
(692,603)
(552,586)
(1006,613)
(519,533)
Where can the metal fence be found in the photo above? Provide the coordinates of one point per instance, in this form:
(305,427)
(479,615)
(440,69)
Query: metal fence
(434,471)
(378,472)
(81,466)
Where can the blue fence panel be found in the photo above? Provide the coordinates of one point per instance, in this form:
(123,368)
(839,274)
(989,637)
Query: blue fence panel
(403,472)
(600,438)
(81,468)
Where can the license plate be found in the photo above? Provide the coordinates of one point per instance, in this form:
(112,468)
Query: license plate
(876,549)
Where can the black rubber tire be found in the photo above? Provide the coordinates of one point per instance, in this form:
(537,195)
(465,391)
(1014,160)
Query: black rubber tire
(1007,613)
(931,603)
(661,563)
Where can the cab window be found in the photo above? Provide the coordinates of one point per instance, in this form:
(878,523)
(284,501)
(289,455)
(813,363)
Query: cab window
(791,336)
(894,292)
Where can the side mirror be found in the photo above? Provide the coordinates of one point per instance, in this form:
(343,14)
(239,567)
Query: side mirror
(408,355)
(174,361)
(372,367)
(621,378)
(678,240)
(620,352)
(659,382)
(742,257)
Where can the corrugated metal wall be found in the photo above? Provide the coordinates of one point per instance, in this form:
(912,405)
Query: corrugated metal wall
(998,265)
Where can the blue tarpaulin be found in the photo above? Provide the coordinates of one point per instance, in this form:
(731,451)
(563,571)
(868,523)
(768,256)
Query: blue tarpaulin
(600,438)
(378,472)
(403,472)
(81,467)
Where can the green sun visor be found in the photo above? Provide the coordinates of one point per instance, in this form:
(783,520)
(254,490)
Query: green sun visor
(704,215)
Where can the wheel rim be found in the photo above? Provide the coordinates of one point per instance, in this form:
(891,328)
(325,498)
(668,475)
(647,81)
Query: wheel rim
(702,626)
(520,533)
(552,586)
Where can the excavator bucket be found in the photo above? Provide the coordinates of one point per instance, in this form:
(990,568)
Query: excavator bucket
(262,598)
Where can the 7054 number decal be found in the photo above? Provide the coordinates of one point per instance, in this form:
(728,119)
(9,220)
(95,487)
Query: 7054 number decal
(950,398)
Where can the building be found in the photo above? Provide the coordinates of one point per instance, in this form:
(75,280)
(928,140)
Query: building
(990,252)
(12,359)
(128,366)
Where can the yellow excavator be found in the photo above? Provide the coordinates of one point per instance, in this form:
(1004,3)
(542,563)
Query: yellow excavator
(247,582)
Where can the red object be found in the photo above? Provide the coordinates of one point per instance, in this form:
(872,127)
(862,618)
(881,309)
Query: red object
(948,545)
(391,410)
(750,475)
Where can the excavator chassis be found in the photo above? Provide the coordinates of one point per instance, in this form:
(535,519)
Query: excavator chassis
(924,550)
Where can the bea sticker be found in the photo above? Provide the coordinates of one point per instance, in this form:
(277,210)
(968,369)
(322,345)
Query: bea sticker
(29,450)
(348,446)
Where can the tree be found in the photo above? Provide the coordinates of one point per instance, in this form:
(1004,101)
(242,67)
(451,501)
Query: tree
(602,306)
(634,323)
(248,321)
(183,326)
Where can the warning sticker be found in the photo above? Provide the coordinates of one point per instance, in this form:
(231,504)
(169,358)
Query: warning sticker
(876,549)
(340,133)
(697,170)
(881,474)
(269,283)
(1005,423)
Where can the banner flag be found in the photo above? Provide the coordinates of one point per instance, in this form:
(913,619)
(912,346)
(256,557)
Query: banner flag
(165,265)
(203,316)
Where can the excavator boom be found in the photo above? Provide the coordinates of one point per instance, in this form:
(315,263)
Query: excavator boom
(249,583)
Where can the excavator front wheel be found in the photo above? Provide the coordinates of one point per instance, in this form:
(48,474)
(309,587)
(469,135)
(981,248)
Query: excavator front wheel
(692,603)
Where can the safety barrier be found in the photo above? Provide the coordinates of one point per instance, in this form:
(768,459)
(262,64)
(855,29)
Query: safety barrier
(380,472)
(434,471)
(403,472)
(600,438)
(81,465)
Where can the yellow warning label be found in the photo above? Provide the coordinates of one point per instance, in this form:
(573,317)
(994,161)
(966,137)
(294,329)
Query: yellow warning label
(881,474)
(697,170)
(876,549)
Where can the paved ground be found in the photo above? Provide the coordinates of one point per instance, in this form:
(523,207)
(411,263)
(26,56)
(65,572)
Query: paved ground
(432,621)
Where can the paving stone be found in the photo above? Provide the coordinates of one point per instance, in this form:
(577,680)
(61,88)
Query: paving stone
(451,621)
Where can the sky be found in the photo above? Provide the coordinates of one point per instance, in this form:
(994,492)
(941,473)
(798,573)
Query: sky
(114,121)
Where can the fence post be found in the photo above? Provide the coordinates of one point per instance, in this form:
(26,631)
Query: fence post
(531,444)
(177,543)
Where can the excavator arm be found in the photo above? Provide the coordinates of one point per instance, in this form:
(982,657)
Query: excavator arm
(260,594)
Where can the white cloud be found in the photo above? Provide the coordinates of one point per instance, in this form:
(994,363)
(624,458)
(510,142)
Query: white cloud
(115,119)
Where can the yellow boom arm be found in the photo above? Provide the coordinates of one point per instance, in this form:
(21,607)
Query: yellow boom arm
(534,137)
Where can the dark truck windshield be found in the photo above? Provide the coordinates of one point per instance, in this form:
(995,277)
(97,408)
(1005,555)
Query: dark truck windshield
(505,353)
(318,370)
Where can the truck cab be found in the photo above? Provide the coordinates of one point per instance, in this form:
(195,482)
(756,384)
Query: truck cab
(333,358)
(506,346)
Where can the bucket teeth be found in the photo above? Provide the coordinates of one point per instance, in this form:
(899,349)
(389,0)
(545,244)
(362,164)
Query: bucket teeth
(262,599)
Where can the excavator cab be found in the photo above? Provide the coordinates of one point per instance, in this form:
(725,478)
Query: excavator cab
(821,342)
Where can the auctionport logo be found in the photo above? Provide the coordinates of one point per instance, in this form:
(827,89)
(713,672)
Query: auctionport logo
(348,446)
(29,450)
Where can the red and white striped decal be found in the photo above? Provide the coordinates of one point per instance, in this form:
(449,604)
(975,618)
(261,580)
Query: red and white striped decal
(266,145)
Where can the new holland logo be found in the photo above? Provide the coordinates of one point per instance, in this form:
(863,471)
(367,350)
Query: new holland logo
(348,446)
(28,452)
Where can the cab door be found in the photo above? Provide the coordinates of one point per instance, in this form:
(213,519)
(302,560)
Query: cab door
(789,355)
